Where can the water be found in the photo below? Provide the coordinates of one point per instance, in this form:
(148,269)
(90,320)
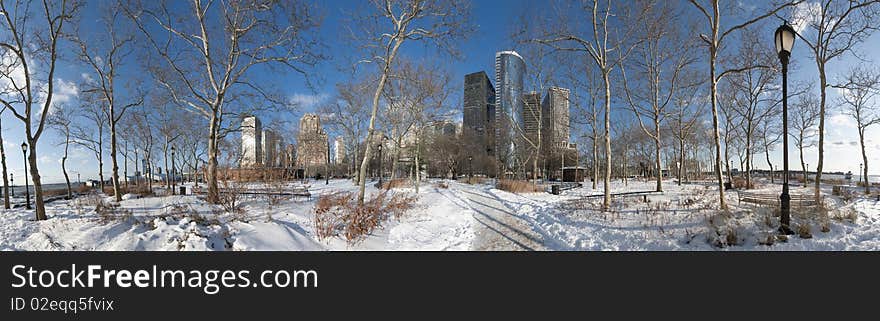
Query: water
(18,190)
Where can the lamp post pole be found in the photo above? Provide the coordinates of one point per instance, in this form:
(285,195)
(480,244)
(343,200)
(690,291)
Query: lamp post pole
(470,167)
(380,165)
(860,174)
(784,40)
(173,180)
(12,182)
(27,189)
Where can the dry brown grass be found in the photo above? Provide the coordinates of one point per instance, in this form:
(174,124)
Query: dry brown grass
(338,213)
(517,186)
(396,183)
(472,180)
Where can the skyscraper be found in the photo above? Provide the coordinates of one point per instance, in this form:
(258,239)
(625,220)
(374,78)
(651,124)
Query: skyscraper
(509,73)
(269,142)
(479,111)
(251,142)
(556,127)
(338,150)
(312,149)
(532,118)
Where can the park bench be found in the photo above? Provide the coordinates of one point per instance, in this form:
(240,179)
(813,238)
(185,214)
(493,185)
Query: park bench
(301,191)
(563,186)
(797,200)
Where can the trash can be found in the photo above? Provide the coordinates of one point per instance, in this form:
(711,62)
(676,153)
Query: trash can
(554,189)
(182,190)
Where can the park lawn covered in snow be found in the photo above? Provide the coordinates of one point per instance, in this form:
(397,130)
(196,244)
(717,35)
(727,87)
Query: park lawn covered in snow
(433,224)
(460,217)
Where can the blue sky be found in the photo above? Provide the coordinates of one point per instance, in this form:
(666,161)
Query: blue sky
(493,20)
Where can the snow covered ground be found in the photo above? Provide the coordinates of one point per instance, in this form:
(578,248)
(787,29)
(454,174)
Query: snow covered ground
(460,217)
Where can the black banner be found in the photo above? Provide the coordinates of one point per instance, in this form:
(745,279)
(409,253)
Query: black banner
(361,284)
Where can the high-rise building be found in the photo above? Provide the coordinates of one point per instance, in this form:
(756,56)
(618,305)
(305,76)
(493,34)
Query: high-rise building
(556,126)
(532,117)
(338,150)
(509,73)
(479,111)
(251,142)
(312,148)
(269,142)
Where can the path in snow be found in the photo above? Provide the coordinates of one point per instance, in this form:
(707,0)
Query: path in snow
(498,227)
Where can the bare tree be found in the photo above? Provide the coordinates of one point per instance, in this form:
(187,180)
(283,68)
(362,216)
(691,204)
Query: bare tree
(769,132)
(89,133)
(29,36)
(860,88)
(661,61)
(61,120)
(104,53)
(3,163)
(755,97)
(205,55)
(830,29)
(388,27)
(685,116)
(603,44)
(347,114)
(713,39)
(806,114)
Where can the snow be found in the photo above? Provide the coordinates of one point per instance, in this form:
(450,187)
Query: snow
(460,217)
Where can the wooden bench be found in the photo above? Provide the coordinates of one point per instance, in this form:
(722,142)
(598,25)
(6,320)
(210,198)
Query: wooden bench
(799,200)
(301,191)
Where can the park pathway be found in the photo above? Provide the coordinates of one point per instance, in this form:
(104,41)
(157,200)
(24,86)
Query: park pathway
(497,225)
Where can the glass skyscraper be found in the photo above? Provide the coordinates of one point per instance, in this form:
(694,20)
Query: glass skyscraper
(510,70)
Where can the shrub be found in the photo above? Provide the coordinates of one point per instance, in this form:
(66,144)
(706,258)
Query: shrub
(396,183)
(517,186)
(338,213)
(108,212)
(803,230)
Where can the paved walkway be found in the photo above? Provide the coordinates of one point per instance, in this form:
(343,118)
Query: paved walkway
(498,227)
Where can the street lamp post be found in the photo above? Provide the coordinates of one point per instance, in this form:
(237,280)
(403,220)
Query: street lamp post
(380,164)
(12,182)
(27,189)
(470,167)
(860,174)
(784,40)
(173,180)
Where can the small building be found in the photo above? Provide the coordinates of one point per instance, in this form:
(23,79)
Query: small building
(574,174)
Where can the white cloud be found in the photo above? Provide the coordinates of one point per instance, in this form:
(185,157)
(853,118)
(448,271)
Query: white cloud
(307,101)
(841,120)
(65,93)
(805,14)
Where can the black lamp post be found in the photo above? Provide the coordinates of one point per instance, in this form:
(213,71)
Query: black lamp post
(784,40)
(173,180)
(380,165)
(860,174)
(27,189)
(12,182)
(471,166)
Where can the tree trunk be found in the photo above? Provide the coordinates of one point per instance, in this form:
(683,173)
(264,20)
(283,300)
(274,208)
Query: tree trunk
(767,154)
(213,188)
(371,128)
(40,208)
(418,168)
(116,191)
(595,156)
(748,160)
(681,166)
(606,202)
(822,85)
(659,163)
(716,135)
(865,160)
(5,176)
(66,178)
(803,165)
